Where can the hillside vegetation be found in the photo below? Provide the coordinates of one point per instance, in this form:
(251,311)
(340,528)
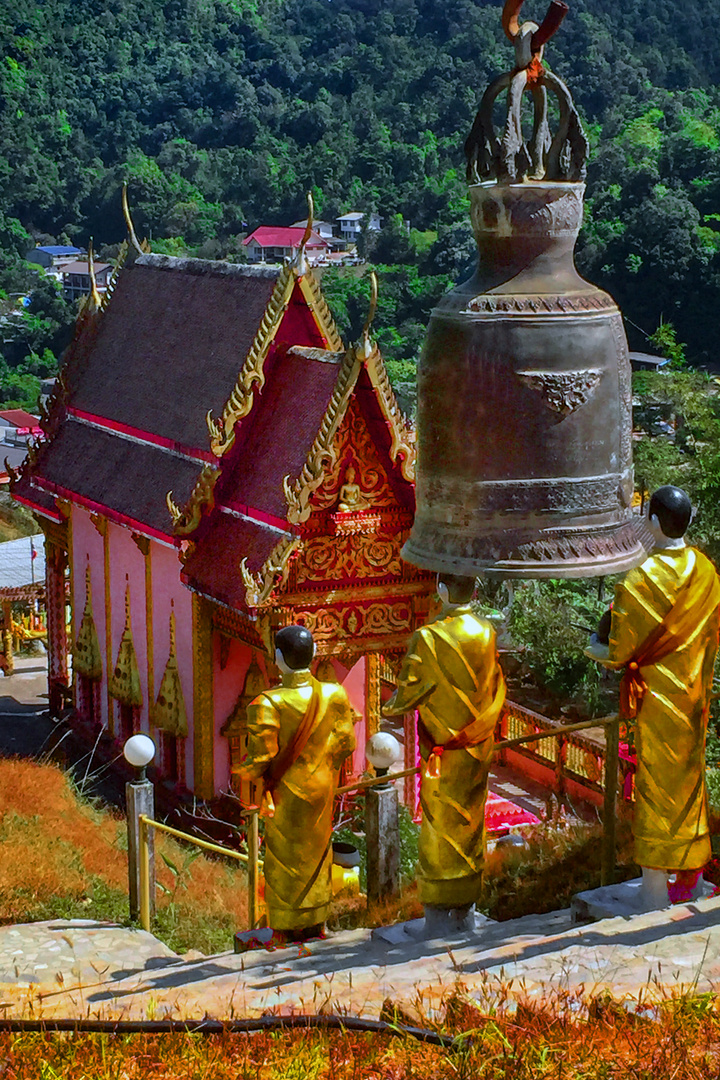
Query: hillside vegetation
(222,113)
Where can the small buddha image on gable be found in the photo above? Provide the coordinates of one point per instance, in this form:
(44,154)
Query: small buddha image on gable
(351,498)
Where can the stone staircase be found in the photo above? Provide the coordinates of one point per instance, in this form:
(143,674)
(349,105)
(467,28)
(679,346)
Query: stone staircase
(537,956)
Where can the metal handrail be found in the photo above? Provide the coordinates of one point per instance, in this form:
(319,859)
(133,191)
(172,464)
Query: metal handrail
(612,739)
(252,861)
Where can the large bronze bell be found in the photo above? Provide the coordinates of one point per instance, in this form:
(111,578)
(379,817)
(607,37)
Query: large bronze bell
(524,399)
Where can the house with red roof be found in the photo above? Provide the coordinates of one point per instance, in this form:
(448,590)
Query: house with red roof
(275,244)
(215,464)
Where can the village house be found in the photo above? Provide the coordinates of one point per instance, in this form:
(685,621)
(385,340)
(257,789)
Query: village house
(215,464)
(274,244)
(351,225)
(53,257)
(76,278)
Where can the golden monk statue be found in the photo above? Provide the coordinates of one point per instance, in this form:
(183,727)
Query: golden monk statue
(664,634)
(299,734)
(451,675)
(351,496)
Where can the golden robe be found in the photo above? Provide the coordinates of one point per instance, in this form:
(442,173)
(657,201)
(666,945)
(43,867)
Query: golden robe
(672,598)
(298,851)
(451,675)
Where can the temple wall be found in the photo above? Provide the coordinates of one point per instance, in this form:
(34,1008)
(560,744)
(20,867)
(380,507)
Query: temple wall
(168,593)
(354,683)
(86,542)
(228,685)
(160,572)
(127,569)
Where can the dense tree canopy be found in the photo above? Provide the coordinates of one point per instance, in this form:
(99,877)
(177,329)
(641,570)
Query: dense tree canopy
(222,113)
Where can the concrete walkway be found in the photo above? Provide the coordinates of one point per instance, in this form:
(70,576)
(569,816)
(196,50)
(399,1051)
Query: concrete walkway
(110,971)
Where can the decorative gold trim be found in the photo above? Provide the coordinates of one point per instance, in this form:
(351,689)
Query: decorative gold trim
(124,681)
(377,592)
(87,660)
(170,714)
(112,282)
(252,375)
(100,524)
(312,294)
(141,249)
(373,698)
(203,711)
(322,452)
(187,520)
(258,587)
(403,440)
(240,402)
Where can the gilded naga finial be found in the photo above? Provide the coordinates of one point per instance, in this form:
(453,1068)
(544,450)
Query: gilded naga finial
(128,222)
(366,345)
(300,259)
(94,299)
(544,156)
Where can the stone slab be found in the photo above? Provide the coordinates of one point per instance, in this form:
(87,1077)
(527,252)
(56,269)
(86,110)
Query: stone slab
(622,899)
(635,959)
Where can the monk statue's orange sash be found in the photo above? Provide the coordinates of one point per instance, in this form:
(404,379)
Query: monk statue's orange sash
(282,761)
(477,731)
(695,603)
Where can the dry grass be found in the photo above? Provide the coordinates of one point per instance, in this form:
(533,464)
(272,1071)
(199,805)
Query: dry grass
(679,1040)
(63,857)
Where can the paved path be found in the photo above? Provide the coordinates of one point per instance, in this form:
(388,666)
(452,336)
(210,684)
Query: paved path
(84,968)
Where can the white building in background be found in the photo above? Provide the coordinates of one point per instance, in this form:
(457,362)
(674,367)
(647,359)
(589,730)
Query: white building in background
(351,225)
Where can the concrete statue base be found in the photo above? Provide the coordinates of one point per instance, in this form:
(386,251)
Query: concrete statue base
(627,898)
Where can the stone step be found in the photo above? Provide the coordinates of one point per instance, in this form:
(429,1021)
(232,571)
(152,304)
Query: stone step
(537,956)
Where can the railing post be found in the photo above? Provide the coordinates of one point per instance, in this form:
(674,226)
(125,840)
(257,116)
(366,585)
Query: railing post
(139,800)
(253,843)
(382,838)
(145,889)
(612,738)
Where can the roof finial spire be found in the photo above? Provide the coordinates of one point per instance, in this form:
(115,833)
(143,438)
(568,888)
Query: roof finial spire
(366,345)
(300,261)
(94,299)
(128,221)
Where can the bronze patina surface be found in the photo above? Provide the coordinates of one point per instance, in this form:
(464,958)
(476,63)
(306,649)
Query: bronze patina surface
(524,420)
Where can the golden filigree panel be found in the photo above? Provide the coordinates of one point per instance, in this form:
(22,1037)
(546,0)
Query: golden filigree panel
(354,448)
(354,621)
(332,558)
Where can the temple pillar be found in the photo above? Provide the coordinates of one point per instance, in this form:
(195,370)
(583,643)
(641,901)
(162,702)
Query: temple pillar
(56,562)
(373,701)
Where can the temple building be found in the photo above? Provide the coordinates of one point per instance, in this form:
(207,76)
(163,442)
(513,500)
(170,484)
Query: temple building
(216,464)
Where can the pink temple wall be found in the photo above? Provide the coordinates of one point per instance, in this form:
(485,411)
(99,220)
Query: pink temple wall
(127,566)
(170,594)
(86,541)
(227,687)
(354,683)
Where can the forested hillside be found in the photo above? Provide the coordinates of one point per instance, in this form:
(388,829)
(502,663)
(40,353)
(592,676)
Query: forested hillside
(222,113)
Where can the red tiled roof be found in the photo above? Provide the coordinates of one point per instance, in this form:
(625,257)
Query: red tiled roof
(19,418)
(213,568)
(128,478)
(27,492)
(284,423)
(170,345)
(283,236)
